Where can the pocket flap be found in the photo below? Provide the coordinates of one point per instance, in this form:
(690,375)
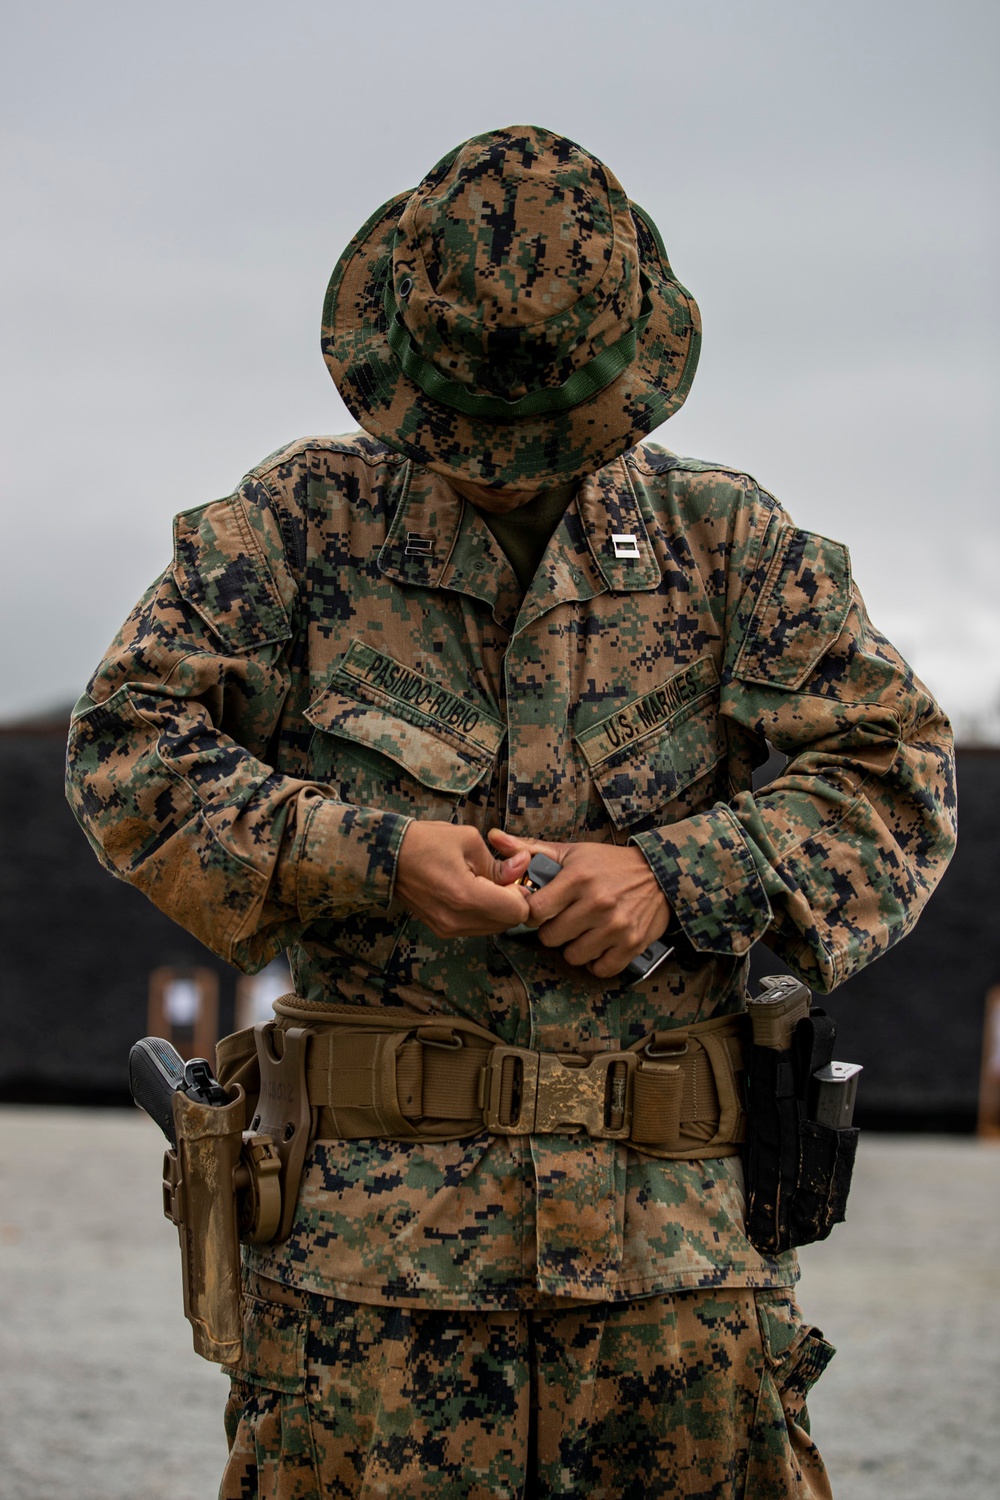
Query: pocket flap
(802,609)
(444,740)
(274,1346)
(219,569)
(644,756)
(426,755)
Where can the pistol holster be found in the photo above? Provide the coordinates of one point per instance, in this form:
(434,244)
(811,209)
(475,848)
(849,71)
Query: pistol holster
(224,1184)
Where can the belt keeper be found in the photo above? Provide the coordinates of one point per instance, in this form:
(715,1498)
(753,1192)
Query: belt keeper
(438,1036)
(656,1110)
(386,1101)
(732,1115)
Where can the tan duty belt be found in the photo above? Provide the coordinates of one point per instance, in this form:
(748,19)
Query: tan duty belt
(402,1076)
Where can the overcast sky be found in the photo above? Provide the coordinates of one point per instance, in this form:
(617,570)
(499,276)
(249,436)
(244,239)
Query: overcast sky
(179,180)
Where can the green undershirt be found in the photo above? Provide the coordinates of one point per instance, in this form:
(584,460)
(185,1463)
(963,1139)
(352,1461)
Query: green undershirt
(525,533)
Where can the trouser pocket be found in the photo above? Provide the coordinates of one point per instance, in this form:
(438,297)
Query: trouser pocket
(271,1451)
(784,1462)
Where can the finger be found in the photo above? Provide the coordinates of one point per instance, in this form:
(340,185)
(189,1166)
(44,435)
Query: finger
(508,871)
(508,843)
(615,960)
(507,905)
(610,964)
(477,914)
(589,948)
(587,943)
(570,923)
(556,901)
(483,861)
(481,864)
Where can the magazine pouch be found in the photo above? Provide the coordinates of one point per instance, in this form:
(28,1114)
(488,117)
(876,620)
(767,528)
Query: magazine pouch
(798,1169)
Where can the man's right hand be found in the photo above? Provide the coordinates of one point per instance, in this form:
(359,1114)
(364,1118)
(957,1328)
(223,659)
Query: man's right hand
(447,877)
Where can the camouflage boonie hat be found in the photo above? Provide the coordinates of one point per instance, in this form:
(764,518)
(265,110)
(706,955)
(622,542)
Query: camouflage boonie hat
(512,320)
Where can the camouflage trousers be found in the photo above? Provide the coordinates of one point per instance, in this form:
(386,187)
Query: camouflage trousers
(698,1394)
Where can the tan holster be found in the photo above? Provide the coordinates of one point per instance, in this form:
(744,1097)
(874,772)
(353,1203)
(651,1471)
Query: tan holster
(199,1197)
(223,1183)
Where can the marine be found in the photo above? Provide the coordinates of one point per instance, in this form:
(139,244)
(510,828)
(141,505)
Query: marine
(374,682)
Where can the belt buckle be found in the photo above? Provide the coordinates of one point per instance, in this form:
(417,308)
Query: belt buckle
(554,1097)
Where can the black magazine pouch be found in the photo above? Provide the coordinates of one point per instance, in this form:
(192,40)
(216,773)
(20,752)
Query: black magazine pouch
(798,1163)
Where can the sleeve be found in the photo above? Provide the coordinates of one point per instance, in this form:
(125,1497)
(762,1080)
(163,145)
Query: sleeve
(167,764)
(833,861)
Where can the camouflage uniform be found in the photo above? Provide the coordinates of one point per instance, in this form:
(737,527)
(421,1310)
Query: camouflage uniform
(341,646)
(701,1394)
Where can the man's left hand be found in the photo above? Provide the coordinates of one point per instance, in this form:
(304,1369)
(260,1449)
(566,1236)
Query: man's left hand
(604,908)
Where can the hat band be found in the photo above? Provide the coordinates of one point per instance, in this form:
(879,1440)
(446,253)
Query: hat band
(587,381)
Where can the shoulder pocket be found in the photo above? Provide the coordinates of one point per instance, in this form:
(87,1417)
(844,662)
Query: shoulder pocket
(645,756)
(219,569)
(802,609)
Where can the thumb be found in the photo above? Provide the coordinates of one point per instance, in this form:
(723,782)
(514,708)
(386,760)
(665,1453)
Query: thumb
(516,853)
(508,844)
(513,853)
(508,871)
(486,864)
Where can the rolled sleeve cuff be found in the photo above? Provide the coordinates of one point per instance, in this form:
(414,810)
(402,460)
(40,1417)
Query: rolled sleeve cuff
(347,859)
(708,873)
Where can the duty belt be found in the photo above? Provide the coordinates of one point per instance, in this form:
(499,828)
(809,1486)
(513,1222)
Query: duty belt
(399,1075)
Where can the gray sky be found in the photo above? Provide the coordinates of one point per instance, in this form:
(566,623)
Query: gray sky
(179,180)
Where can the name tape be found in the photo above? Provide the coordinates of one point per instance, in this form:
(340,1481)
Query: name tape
(647,713)
(412,690)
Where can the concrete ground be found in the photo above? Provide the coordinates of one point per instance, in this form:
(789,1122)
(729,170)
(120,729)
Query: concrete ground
(101,1397)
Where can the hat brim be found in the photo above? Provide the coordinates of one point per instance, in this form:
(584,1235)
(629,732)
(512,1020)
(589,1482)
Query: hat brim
(550,449)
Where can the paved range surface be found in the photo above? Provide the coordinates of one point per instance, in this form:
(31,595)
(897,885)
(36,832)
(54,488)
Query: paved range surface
(101,1397)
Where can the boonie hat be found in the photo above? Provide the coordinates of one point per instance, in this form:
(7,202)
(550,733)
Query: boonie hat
(513,320)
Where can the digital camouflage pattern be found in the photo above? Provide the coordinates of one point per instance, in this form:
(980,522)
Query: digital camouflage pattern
(338,648)
(514,320)
(699,1394)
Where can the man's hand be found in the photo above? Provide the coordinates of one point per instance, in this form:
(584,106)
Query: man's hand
(604,908)
(446,876)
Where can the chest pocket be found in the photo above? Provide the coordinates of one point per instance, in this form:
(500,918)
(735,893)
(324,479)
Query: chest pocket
(421,758)
(390,738)
(657,760)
